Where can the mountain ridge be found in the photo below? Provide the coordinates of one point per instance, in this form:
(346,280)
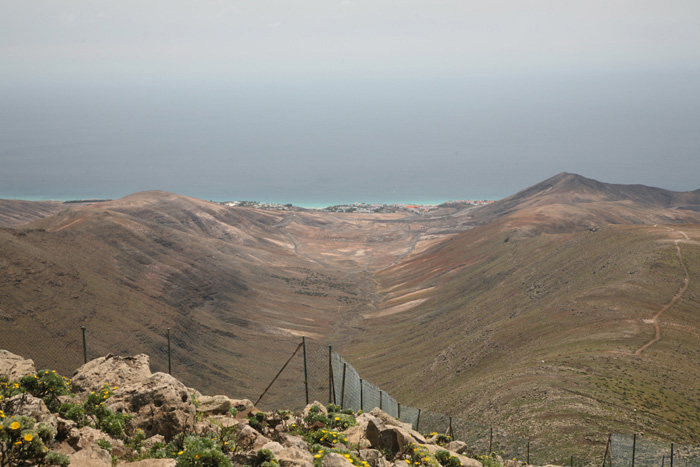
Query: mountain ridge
(566,271)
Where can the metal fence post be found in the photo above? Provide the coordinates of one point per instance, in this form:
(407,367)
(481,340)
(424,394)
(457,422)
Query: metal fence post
(572,461)
(381,400)
(528,453)
(671,454)
(170,371)
(607,448)
(399,406)
(634,447)
(331,392)
(418,420)
(362,400)
(342,389)
(452,435)
(490,440)
(306,371)
(82,328)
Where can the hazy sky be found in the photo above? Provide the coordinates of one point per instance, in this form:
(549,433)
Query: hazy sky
(312,101)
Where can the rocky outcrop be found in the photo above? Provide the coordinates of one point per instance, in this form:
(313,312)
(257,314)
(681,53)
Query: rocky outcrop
(167,411)
(160,404)
(111,370)
(14,367)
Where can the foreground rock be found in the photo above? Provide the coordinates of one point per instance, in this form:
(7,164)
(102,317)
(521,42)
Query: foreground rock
(164,418)
(160,405)
(14,367)
(112,371)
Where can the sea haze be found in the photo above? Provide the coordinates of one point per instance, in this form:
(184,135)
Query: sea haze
(320,142)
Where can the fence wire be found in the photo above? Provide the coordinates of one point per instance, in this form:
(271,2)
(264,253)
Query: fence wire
(332,379)
(628,450)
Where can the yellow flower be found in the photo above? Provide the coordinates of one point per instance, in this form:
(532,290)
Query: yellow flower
(337,418)
(196,456)
(18,443)
(115,388)
(179,453)
(317,456)
(14,426)
(28,437)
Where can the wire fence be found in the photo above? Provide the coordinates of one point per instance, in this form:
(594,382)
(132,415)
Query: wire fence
(329,378)
(317,373)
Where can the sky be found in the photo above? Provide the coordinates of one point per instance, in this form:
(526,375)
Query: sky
(329,101)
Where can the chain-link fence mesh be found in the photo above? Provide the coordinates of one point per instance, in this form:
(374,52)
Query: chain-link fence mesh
(331,379)
(637,451)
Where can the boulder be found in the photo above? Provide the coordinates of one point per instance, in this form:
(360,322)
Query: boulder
(466,461)
(87,437)
(30,406)
(113,371)
(356,436)
(460,447)
(307,409)
(217,405)
(386,437)
(153,463)
(335,460)
(373,457)
(91,457)
(243,407)
(290,456)
(250,439)
(160,404)
(389,420)
(14,367)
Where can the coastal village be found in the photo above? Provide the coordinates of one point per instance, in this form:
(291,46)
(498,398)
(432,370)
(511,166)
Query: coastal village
(361,207)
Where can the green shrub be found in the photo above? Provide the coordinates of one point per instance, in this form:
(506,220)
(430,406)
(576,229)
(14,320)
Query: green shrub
(447,460)
(265,458)
(23,443)
(199,451)
(316,415)
(321,452)
(46,385)
(257,421)
(341,421)
(419,455)
(327,438)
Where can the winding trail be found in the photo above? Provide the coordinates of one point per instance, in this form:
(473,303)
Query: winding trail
(655,319)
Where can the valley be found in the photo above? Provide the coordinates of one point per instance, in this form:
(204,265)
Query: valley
(562,313)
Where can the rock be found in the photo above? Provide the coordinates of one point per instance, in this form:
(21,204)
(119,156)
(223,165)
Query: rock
(373,457)
(466,461)
(384,437)
(389,420)
(307,409)
(290,456)
(153,463)
(335,460)
(243,407)
(250,439)
(160,404)
(460,447)
(88,436)
(30,406)
(14,367)
(113,371)
(217,405)
(91,457)
(356,435)
(148,443)
(292,441)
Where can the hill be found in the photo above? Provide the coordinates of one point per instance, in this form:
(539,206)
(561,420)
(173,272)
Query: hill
(532,313)
(15,212)
(545,319)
